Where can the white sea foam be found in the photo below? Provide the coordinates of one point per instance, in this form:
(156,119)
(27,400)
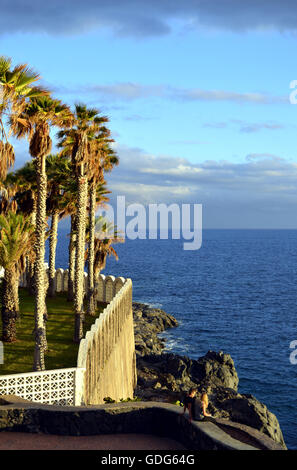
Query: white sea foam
(148,303)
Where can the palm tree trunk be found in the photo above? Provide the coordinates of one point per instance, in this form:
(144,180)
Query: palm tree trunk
(40,288)
(9,307)
(79,257)
(34,210)
(31,265)
(52,252)
(16,295)
(95,277)
(71,268)
(91,307)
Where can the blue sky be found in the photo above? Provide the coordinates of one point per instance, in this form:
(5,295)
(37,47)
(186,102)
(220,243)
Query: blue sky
(197,94)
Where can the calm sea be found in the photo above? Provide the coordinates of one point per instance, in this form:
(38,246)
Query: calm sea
(238,294)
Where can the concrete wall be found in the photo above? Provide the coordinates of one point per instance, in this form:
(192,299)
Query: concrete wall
(161,419)
(107,353)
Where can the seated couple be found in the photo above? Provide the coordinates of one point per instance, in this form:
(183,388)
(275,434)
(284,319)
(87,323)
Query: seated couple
(196,407)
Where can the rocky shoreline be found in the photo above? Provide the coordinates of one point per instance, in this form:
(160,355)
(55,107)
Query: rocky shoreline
(166,377)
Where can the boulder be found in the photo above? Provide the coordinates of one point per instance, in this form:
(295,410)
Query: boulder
(246,409)
(211,370)
(148,322)
(215,369)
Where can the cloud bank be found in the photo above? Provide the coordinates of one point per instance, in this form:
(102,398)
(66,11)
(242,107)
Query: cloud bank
(144,18)
(259,192)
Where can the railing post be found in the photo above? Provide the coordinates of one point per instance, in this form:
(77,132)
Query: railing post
(79,386)
(1,353)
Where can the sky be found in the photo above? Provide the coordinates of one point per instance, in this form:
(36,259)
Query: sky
(197,93)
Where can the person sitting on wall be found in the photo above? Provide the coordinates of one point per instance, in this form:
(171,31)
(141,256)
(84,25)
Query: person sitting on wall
(190,404)
(204,404)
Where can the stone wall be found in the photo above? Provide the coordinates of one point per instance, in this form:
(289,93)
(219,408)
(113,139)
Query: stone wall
(108,351)
(162,419)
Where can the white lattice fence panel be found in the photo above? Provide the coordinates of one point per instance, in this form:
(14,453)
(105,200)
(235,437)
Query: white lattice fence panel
(54,387)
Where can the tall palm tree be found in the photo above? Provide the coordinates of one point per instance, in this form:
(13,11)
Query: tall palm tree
(76,142)
(16,88)
(69,206)
(58,171)
(8,204)
(23,182)
(16,241)
(34,122)
(71,257)
(103,158)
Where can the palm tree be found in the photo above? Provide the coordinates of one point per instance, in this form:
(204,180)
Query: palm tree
(106,235)
(58,171)
(8,204)
(97,198)
(16,242)
(23,182)
(7,194)
(76,142)
(34,122)
(72,257)
(103,159)
(69,207)
(16,88)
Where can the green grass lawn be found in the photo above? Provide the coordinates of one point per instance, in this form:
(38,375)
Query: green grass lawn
(62,352)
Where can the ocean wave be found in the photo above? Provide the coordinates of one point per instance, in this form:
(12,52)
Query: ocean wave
(150,304)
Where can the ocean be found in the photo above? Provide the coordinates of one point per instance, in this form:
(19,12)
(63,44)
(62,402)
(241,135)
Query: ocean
(237,294)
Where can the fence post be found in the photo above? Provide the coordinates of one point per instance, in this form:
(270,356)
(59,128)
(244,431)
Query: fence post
(79,386)
(1,353)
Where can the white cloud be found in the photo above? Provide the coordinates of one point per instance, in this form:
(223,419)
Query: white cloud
(197,94)
(243,126)
(127,91)
(179,170)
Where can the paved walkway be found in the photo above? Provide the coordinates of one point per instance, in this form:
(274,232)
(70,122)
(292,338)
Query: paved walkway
(28,441)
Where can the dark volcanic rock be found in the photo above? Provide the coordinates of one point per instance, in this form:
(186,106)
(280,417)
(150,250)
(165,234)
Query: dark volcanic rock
(246,409)
(167,377)
(174,373)
(148,322)
(215,369)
